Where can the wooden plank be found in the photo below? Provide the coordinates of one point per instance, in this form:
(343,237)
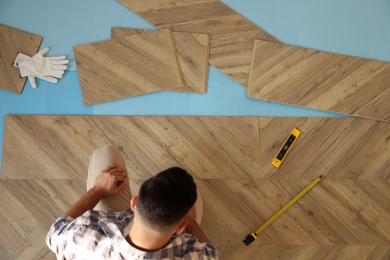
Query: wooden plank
(29,208)
(336,216)
(59,146)
(298,252)
(12,41)
(193,55)
(350,148)
(128,66)
(30,253)
(231,34)
(214,147)
(320,80)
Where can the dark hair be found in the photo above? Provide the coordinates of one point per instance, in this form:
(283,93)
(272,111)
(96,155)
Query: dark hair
(165,199)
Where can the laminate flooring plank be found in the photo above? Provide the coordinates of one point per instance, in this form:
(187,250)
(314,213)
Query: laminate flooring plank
(320,80)
(338,148)
(127,66)
(232,53)
(212,147)
(29,208)
(59,146)
(12,41)
(193,55)
(232,35)
(232,209)
(295,252)
(48,147)
(30,253)
(333,213)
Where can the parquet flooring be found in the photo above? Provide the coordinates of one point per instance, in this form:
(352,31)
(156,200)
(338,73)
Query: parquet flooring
(193,55)
(345,216)
(127,66)
(320,80)
(231,34)
(12,41)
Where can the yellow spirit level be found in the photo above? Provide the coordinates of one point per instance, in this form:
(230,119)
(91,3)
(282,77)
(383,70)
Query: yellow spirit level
(286,147)
(251,237)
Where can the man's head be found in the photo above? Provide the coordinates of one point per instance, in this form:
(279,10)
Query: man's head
(165,199)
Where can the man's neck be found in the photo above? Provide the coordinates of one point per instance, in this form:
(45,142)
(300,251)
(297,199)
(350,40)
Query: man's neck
(145,239)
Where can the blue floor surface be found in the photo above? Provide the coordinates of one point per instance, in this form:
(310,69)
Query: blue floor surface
(353,27)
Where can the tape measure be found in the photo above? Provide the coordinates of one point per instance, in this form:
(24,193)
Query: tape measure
(251,237)
(286,147)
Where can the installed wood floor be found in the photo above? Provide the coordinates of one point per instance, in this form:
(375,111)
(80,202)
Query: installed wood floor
(345,216)
(12,41)
(320,80)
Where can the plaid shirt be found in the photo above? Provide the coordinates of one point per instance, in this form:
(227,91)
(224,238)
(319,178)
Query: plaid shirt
(100,235)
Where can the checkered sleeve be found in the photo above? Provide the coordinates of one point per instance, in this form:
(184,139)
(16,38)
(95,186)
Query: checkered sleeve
(53,237)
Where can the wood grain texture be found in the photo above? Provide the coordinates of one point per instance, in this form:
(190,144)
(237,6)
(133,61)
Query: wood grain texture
(335,217)
(349,148)
(345,216)
(28,253)
(193,50)
(128,66)
(232,35)
(59,146)
(12,41)
(29,208)
(320,80)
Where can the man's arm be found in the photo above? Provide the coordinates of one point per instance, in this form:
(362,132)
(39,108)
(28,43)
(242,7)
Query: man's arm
(109,182)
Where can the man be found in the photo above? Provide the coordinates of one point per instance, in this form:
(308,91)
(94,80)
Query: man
(160,223)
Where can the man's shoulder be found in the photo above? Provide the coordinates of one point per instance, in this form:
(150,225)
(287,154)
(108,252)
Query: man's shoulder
(188,246)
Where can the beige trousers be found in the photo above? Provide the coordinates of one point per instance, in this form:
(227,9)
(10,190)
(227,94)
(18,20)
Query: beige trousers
(99,160)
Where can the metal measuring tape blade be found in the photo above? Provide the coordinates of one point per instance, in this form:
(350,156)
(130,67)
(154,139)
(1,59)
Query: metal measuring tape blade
(251,237)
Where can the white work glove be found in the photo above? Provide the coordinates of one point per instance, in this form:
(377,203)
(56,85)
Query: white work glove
(46,68)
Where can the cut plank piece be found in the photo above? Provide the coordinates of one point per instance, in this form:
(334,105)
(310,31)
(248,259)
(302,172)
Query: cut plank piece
(320,80)
(231,34)
(193,55)
(12,41)
(128,66)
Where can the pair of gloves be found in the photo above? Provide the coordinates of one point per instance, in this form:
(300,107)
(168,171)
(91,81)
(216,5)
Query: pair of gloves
(38,66)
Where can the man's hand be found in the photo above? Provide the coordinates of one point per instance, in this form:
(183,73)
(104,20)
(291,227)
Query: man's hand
(110,181)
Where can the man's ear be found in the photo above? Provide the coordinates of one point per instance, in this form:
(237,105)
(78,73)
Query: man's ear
(181,228)
(133,203)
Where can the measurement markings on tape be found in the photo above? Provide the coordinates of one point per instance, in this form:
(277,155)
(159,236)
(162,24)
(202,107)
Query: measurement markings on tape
(251,237)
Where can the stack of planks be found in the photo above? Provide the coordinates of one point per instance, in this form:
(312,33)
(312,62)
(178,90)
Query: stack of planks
(273,71)
(136,62)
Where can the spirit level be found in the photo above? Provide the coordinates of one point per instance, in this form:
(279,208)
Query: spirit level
(286,147)
(251,237)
